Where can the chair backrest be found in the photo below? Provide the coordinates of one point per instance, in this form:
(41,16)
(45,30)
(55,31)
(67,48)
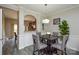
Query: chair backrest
(55,33)
(36,41)
(64,42)
(39,34)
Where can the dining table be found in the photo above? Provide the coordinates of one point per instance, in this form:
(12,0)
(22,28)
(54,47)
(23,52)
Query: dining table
(49,39)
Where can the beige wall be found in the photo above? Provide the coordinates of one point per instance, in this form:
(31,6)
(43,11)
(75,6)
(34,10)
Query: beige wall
(9,27)
(8,22)
(3,25)
(10,13)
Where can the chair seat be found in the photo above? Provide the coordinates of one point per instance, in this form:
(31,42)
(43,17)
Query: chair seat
(42,46)
(58,46)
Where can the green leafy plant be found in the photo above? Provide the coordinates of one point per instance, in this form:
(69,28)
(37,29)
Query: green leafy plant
(64,28)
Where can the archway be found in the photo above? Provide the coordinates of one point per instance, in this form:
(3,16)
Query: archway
(30,23)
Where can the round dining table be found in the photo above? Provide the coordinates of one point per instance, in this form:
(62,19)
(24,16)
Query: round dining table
(49,39)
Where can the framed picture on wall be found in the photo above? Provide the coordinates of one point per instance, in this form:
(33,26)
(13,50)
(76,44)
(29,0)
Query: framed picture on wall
(56,21)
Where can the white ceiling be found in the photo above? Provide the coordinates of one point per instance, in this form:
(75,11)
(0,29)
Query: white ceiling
(49,9)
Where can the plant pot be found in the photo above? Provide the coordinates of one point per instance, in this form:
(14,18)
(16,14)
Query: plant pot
(60,41)
(65,37)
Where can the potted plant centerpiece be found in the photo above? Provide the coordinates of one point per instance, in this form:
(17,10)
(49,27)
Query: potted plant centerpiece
(64,29)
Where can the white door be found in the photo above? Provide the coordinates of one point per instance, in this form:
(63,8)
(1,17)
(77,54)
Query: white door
(0,31)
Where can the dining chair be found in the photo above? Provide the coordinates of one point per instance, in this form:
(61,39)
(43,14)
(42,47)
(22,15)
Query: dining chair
(38,46)
(55,33)
(39,33)
(61,46)
(54,39)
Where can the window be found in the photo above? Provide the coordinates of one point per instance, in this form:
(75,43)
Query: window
(15,28)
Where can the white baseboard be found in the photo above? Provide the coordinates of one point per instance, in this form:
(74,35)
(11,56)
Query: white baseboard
(73,48)
(25,46)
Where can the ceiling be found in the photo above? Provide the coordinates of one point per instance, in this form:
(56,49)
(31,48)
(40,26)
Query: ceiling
(49,9)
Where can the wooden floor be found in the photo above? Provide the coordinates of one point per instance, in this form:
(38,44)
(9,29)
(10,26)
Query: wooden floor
(9,49)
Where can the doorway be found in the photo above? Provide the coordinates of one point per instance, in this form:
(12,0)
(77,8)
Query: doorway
(10,32)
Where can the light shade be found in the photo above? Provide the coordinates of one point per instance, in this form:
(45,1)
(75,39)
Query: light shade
(45,21)
(48,33)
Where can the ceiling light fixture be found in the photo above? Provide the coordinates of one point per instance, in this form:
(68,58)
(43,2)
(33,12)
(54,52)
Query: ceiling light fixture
(45,21)
(45,4)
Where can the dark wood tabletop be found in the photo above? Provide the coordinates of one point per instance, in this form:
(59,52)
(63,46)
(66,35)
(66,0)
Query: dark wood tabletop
(49,40)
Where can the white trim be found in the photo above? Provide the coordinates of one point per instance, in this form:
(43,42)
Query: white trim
(25,46)
(72,48)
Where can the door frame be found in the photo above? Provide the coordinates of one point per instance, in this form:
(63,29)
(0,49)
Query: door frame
(17,23)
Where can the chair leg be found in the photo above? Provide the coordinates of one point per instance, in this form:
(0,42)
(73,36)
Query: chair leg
(55,50)
(39,52)
(33,53)
(65,52)
(62,53)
